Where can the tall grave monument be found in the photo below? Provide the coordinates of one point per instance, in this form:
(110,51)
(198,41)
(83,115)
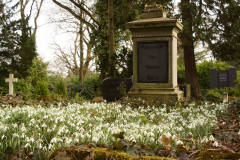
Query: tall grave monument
(155,55)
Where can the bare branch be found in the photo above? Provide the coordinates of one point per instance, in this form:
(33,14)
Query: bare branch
(74,14)
(88,13)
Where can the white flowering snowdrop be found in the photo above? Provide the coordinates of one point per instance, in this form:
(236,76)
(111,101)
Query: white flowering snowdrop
(15,135)
(215,144)
(211,138)
(3,136)
(27,145)
(204,140)
(44,125)
(87,122)
(179,142)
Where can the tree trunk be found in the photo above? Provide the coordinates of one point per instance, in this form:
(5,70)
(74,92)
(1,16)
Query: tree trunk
(81,48)
(189,57)
(111,39)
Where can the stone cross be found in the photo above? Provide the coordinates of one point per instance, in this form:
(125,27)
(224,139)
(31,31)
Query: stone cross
(11,80)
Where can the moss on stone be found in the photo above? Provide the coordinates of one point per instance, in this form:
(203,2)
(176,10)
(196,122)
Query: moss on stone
(204,155)
(73,152)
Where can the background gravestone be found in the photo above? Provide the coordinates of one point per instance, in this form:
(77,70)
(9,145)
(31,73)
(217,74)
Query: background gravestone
(223,78)
(110,88)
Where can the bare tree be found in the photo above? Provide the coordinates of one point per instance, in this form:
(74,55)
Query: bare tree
(38,5)
(68,24)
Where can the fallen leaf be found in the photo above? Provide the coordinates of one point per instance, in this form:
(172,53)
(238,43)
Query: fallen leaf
(186,147)
(166,141)
(233,117)
(166,151)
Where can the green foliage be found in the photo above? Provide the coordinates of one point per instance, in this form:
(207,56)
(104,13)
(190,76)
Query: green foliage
(80,90)
(125,63)
(41,89)
(230,90)
(213,96)
(87,90)
(22,85)
(226,38)
(38,71)
(61,89)
(203,71)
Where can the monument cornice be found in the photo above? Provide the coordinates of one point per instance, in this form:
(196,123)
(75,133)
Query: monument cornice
(155,23)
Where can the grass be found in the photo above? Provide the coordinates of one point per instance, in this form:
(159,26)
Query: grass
(31,127)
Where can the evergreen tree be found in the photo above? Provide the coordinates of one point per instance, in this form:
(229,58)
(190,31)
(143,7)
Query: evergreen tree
(17,46)
(225,43)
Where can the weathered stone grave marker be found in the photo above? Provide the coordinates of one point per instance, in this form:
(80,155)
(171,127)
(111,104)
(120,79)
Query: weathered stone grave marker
(223,78)
(155,55)
(11,80)
(110,88)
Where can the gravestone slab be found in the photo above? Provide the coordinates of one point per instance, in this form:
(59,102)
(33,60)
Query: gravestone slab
(223,78)
(110,88)
(213,78)
(153,62)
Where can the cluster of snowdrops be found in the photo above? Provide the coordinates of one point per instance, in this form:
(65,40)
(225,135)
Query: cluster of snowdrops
(48,128)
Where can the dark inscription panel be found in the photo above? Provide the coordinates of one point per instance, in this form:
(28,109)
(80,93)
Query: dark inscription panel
(153,62)
(223,79)
(110,88)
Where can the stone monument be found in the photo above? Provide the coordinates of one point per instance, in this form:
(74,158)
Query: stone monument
(222,78)
(11,80)
(155,55)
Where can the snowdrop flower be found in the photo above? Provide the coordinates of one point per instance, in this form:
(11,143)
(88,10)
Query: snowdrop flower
(4,137)
(45,117)
(76,140)
(15,125)
(239,133)
(23,129)
(50,146)
(168,135)
(68,141)
(211,138)
(23,135)
(150,134)
(179,142)
(215,144)
(27,145)
(190,134)
(54,140)
(15,135)
(205,139)
(173,137)
(95,139)
(44,125)
(40,146)
(31,140)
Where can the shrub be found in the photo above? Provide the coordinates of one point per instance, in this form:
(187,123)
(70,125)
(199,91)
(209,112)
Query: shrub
(61,89)
(213,95)
(22,85)
(41,89)
(83,90)
(203,71)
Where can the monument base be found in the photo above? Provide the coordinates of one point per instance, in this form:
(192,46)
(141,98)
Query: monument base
(11,95)
(151,95)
